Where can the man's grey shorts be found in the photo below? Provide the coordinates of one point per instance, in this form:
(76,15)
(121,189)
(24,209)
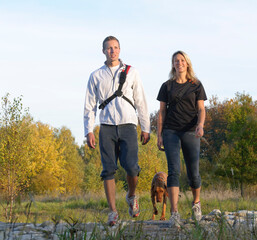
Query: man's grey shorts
(118,142)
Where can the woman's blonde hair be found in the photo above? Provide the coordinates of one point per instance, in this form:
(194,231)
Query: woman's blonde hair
(190,72)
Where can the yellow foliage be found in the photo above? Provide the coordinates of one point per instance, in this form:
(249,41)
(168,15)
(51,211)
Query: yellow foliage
(93,166)
(74,166)
(48,163)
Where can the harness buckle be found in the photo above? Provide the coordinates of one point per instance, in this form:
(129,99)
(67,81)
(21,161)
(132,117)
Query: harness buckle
(118,93)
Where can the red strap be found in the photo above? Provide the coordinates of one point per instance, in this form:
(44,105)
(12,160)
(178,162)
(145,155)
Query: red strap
(128,69)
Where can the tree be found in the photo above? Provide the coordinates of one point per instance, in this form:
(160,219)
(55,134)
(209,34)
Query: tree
(151,160)
(153,121)
(15,160)
(74,166)
(47,162)
(238,154)
(93,166)
(214,130)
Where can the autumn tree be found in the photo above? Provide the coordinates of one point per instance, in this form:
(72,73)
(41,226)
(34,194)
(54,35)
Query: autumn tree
(15,160)
(151,160)
(214,129)
(74,167)
(47,162)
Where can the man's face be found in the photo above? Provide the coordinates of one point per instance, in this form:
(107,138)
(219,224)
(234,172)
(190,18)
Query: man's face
(112,51)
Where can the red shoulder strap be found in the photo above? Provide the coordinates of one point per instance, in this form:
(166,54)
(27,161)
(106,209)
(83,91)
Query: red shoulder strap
(127,69)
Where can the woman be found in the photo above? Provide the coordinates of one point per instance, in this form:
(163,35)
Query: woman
(180,124)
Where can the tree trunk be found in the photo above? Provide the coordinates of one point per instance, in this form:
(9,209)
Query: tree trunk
(242,188)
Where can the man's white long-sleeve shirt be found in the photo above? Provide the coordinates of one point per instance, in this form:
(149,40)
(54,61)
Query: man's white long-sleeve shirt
(101,85)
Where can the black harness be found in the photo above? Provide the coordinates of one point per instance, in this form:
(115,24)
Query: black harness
(118,93)
(179,96)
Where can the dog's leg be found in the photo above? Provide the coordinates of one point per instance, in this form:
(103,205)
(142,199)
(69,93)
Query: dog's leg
(164,207)
(155,211)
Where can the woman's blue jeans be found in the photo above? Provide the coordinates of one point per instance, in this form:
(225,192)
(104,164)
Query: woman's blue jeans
(190,144)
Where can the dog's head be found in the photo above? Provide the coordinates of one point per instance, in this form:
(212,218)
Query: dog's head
(160,192)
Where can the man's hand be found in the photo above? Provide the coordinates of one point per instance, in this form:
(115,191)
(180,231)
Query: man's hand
(145,137)
(91,140)
(160,143)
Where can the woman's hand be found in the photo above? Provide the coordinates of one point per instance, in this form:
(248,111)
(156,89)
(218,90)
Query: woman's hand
(199,131)
(201,117)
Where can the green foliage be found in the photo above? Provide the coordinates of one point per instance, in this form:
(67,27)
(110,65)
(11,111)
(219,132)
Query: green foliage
(230,142)
(238,154)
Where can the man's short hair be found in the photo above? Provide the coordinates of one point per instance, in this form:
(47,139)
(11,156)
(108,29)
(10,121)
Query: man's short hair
(109,39)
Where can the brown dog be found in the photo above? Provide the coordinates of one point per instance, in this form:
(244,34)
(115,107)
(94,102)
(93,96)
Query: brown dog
(159,193)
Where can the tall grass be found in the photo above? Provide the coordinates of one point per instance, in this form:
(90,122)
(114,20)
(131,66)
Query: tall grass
(94,208)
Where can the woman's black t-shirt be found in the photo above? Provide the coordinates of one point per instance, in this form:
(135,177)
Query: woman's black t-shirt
(183,115)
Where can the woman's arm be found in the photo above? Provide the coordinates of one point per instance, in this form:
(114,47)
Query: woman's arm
(161,118)
(201,118)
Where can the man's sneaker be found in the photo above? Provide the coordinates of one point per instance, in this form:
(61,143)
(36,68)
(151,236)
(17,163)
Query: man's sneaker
(133,206)
(196,211)
(112,218)
(175,219)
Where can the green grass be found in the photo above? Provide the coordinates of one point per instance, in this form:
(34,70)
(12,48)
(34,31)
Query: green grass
(94,208)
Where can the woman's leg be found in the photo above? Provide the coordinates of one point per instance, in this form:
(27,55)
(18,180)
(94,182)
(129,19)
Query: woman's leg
(171,144)
(191,151)
(173,196)
(196,194)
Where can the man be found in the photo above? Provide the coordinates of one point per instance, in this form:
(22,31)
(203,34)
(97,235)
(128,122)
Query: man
(118,121)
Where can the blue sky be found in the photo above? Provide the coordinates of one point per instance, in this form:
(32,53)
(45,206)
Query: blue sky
(49,48)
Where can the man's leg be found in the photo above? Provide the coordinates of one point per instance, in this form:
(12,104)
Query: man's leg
(128,157)
(109,187)
(132,183)
(131,197)
(108,149)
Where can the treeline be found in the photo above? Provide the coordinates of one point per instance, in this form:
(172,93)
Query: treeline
(35,157)
(40,159)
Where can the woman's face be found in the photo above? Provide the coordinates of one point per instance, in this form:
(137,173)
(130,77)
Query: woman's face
(180,63)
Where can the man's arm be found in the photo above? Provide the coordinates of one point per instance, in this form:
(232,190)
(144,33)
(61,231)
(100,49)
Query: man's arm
(90,109)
